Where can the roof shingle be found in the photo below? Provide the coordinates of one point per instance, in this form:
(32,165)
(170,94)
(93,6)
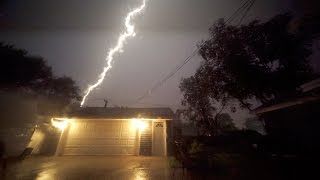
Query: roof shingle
(122,113)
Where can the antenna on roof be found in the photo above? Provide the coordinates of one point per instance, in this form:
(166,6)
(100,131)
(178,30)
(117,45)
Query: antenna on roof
(105,103)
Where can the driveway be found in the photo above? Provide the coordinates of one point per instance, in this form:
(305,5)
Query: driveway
(92,167)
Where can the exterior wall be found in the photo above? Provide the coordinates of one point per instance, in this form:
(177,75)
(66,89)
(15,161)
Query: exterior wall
(62,141)
(44,140)
(37,141)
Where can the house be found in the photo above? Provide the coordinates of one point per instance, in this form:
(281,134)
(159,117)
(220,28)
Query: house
(293,124)
(115,131)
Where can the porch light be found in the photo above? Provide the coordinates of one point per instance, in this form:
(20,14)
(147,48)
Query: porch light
(139,124)
(60,123)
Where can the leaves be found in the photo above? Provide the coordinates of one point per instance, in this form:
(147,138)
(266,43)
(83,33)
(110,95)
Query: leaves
(261,61)
(32,76)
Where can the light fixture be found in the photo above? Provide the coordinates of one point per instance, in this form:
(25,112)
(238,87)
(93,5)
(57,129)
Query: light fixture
(60,123)
(139,124)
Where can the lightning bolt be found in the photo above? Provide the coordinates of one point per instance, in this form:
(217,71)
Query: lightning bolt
(118,48)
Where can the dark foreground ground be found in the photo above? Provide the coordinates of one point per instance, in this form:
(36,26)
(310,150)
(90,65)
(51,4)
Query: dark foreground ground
(144,168)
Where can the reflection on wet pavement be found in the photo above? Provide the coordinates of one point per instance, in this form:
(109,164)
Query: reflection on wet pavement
(95,168)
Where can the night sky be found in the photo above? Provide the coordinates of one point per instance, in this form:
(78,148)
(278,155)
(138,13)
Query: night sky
(74,37)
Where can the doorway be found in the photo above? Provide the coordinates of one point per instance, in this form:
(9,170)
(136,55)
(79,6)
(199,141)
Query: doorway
(159,139)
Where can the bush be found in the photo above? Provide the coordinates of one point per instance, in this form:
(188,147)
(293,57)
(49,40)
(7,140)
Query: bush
(174,163)
(198,155)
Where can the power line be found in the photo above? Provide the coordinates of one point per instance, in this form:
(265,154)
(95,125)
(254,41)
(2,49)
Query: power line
(236,13)
(245,6)
(248,4)
(172,73)
(245,14)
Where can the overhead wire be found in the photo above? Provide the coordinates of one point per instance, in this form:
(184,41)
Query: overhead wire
(245,6)
(246,12)
(236,13)
(162,81)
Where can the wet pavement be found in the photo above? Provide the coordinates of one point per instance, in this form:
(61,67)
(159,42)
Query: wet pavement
(93,168)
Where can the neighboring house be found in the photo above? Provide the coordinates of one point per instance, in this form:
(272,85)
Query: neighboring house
(115,131)
(293,125)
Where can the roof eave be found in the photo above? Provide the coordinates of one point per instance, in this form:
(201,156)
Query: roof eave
(286,104)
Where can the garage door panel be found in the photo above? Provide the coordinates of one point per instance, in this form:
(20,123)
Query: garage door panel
(100,138)
(98,151)
(87,140)
(97,142)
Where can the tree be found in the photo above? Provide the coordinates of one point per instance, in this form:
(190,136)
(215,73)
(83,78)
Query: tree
(31,77)
(225,123)
(261,61)
(18,71)
(254,124)
(208,119)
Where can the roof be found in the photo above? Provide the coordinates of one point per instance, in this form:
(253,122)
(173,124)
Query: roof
(122,113)
(310,93)
(286,104)
(309,86)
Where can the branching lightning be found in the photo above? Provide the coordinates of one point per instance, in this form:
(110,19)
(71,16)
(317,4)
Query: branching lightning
(118,48)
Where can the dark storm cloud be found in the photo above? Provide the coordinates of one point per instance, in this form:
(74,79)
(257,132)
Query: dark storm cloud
(60,14)
(161,15)
(74,35)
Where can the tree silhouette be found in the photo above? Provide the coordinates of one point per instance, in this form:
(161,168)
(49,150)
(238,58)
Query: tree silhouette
(31,76)
(261,61)
(20,71)
(254,124)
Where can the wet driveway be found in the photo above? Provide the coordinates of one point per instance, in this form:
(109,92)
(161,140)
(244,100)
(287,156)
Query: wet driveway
(91,167)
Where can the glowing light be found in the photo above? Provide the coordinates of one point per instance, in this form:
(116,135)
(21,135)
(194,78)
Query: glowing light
(60,123)
(118,48)
(140,174)
(139,124)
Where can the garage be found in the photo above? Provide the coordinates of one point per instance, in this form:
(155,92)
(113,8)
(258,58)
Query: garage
(100,137)
(114,131)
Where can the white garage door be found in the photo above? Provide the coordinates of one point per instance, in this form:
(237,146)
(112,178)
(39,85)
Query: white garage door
(100,138)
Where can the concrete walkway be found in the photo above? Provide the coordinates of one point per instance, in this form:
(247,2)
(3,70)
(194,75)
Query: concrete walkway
(92,168)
